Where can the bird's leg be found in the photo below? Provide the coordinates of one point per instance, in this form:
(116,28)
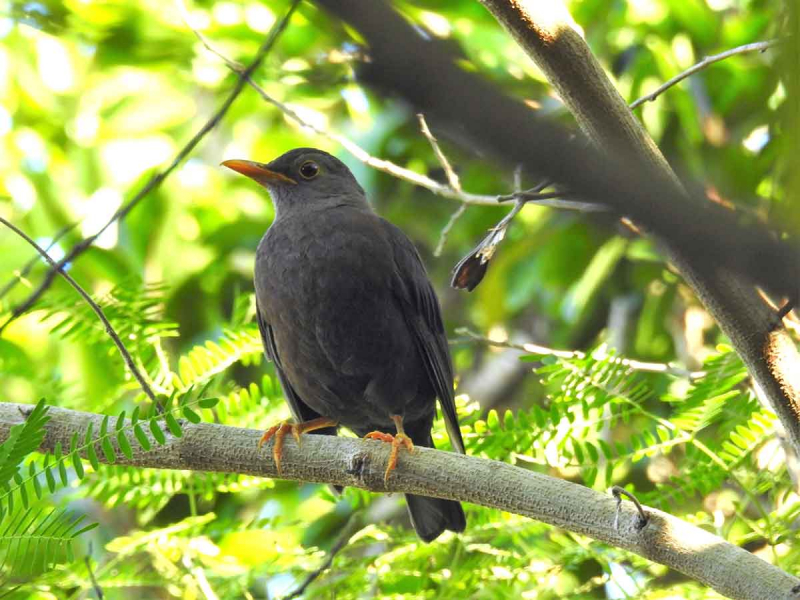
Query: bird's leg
(296,429)
(401,439)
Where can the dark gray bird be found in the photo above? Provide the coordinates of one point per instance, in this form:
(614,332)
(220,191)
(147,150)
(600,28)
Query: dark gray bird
(350,319)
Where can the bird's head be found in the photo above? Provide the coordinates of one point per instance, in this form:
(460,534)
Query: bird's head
(304,178)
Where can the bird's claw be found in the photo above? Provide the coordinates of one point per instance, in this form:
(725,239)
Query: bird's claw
(296,429)
(397,441)
(279,432)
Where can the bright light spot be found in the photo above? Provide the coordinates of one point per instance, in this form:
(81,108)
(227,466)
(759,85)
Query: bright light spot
(258,17)
(198,19)
(309,115)
(125,160)
(33,149)
(56,252)
(295,64)
(624,583)
(22,192)
(777,97)
(498,334)
(193,174)
(646,10)
(682,50)
(6,25)
(356,99)
(719,518)
(97,210)
(227,13)
(207,73)
(55,68)
(6,122)
(436,24)
(502,573)
(757,139)
(84,128)
(720,5)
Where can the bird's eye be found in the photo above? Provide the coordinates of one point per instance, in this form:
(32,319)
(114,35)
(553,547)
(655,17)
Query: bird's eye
(309,169)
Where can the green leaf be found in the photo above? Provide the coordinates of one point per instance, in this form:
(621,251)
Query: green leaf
(156,431)
(208,402)
(190,415)
(173,425)
(124,445)
(141,437)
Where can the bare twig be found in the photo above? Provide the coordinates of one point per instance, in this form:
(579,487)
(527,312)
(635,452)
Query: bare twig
(95,586)
(23,272)
(618,492)
(158,178)
(529,348)
(207,447)
(452,178)
(94,306)
(457,214)
(708,60)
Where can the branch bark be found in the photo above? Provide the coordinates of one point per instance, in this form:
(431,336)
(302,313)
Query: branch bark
(668,540)
(721,259)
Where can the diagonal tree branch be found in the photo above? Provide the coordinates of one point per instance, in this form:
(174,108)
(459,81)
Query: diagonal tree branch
(159,177)
(126,356)
(707,243)
(691,550)
(548,36)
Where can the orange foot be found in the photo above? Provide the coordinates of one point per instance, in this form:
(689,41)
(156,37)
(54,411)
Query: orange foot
(397,441)
(296,429)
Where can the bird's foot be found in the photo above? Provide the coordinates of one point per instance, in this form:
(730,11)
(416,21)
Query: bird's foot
(397,441)
(296,429)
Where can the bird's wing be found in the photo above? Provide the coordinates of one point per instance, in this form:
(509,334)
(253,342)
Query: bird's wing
(300,411)
(422,312)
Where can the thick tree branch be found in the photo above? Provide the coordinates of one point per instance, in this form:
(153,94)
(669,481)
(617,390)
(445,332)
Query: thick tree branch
(691,550)
(706,242)
(545,31)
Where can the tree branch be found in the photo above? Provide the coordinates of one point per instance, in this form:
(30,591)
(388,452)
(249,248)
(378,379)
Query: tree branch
(545,31)
(159,177)
(126,356)
(665,539)
(708,60)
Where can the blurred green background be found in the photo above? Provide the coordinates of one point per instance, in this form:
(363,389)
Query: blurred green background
(96,96)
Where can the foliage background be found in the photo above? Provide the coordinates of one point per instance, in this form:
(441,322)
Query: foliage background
(96,95)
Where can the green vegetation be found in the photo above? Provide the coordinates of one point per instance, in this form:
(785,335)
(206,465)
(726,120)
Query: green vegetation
(98,96)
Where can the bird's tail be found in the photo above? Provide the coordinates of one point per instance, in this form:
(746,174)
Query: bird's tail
(431,516)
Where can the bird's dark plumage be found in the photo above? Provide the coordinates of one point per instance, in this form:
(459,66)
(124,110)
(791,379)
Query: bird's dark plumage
(348,314)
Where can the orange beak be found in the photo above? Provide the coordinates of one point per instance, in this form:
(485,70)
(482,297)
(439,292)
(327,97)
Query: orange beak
(257,172)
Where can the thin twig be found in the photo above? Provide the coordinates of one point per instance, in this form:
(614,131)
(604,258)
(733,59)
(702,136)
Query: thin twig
(95,586)
(457,213)
(618,492)
(352,525)
(452,178)
(708,60)
(158,178)
(529,348)
(93,305)
(23,272)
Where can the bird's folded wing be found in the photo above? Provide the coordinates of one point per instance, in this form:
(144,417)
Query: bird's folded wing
(423,314)
(300,411)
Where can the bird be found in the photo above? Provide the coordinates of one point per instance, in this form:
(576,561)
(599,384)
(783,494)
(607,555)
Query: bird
(350,319)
